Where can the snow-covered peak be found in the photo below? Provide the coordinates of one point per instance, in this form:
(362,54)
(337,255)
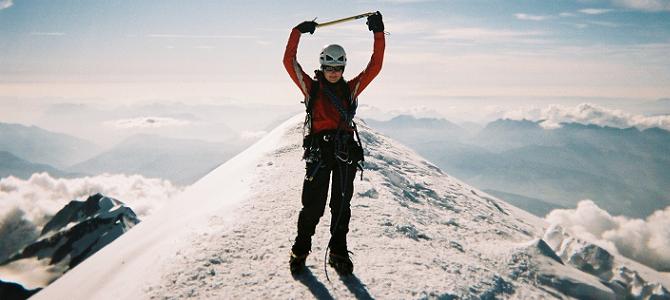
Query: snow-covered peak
(621,275)
(77,211)
(76,232)
(415,233)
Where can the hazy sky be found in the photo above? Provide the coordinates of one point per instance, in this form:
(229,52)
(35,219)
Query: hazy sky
(125,51)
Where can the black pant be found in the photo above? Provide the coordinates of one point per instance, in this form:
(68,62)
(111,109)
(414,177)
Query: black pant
(314,194)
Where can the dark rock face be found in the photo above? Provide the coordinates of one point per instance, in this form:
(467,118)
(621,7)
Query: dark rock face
(96,222)
(14,291)
(76,232)
(77,211)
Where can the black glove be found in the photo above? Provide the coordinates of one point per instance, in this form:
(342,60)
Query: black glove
(375,23)
(307,26)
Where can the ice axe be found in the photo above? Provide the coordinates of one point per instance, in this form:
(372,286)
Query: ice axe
(365,15)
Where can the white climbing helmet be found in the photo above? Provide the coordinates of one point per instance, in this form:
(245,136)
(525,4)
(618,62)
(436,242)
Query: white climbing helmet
(333,55)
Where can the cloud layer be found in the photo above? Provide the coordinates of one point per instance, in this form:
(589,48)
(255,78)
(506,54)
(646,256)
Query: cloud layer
(647,241)
(587,113)
(146,122)
(6,4)
(594,11)
(585,11)
(482,34)
(42,196)
(367,111)
(522,16)
(26,205)
(644,5)
(48,33)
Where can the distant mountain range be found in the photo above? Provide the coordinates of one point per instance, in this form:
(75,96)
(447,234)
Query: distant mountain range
(182,161)
(27,150)
(409,128)
(626,171)
(10,164)
(659,106)
(76,232)
(532,205)
(40,146)
(218,121)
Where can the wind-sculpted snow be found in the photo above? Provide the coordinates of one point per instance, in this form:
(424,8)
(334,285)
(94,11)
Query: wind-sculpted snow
(537,263)
(415,233)
(619,274)
(644,240)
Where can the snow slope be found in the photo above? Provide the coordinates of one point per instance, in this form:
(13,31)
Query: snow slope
(415,232)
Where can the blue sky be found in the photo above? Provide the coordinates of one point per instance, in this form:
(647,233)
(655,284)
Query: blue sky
(134,50)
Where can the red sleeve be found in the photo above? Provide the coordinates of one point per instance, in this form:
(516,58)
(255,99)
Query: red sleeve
(360,82)
(293,67)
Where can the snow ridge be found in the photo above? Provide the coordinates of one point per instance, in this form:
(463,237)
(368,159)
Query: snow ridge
(408,218)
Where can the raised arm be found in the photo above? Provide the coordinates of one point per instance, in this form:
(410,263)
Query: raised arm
(360,82)
(291,64)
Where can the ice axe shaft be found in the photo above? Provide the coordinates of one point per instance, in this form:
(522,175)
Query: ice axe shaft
(345,19)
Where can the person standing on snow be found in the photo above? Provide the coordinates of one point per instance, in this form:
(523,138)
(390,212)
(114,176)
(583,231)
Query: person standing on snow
(329,146)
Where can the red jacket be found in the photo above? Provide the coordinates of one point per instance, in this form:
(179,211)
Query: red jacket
(324,114)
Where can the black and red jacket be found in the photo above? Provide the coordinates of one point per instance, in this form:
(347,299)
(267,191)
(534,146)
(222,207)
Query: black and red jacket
(324,114)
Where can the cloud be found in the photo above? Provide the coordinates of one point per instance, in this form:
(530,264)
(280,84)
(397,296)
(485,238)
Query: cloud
(196,36)
(587,11)
(27,205)
(483,34)
(146,122)
(15,232)
(6,4)
(595,11)
(604,24)
(377,113)
(408,26)
(405,1)
(644,5)
(48,33)
(587,113)
(42,195)
(647,241)
(522,16)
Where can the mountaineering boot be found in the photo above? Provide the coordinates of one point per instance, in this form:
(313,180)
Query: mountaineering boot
(341,263)
(297,263)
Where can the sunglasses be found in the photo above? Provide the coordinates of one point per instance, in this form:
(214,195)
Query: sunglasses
(332,68)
